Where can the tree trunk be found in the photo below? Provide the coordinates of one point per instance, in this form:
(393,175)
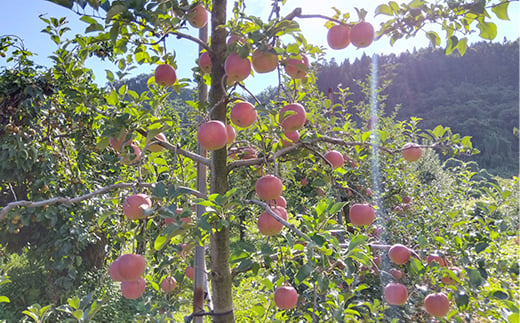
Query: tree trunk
(221,281)
(200,282)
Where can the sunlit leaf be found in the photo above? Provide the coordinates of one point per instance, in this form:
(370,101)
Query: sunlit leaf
(488,30)
(384,10)
(501,10)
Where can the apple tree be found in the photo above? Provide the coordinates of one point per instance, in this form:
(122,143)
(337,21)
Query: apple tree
(332,211)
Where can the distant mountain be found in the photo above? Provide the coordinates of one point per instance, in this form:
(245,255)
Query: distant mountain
(475,95)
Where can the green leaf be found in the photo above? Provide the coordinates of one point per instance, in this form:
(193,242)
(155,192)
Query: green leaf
(500,294)
(160,242)
(304,272)
(88,20)
(244,265)
(435,40)
(356,242)
(488,30)
(31,315)
(94,27)
(451,45)
(384,10)
(65,3)
(501,11)
(4,299)
(337,207)
(112,98)
(481,247)
(394,6)
(74,302)
(462,46)
(461,299)
(416,3)
(78,314)
(513,318)
(94,3)
(116,9)
(319,239)
(114,32)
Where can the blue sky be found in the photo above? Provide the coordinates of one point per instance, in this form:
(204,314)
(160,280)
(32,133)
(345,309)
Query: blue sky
(21,18)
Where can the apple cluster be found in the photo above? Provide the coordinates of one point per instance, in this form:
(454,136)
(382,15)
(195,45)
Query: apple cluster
(128,269)
(360,35)
(436,304)
(263,60)
(129,151)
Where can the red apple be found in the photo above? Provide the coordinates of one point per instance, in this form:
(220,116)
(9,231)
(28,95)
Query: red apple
(361,214)
(281,202)
(362,34)
(338,36)
(292,117)
(155,147)
(168,284)
(437,304)
(297,68)
(212,135)
(395,294)
(205,62)
(248,153)
(436,258)
(267,225)
(198,16)
(130,154)
(399,254)
(304,182)
(165,75)
(447,280)
(114,272)
(264,61)
(190,272)
(411,152)
(235,38)
(133,289)
(132,206)
(293,136)
(243,153)
(269,187)
(237,68)
(335,158)
(186,220)
(117,143)
(130,266)
(231,134)
(396,273)
(407,199)
(285,297)
(243,114)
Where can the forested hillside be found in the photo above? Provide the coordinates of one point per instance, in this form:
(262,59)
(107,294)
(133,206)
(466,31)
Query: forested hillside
(475,95)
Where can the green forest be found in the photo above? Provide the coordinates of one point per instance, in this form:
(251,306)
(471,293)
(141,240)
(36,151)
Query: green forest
(475,95)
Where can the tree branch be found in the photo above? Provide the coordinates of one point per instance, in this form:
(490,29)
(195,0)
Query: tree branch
(269,210)
(297,13)
(193,39)
(286,150)
(77,199)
